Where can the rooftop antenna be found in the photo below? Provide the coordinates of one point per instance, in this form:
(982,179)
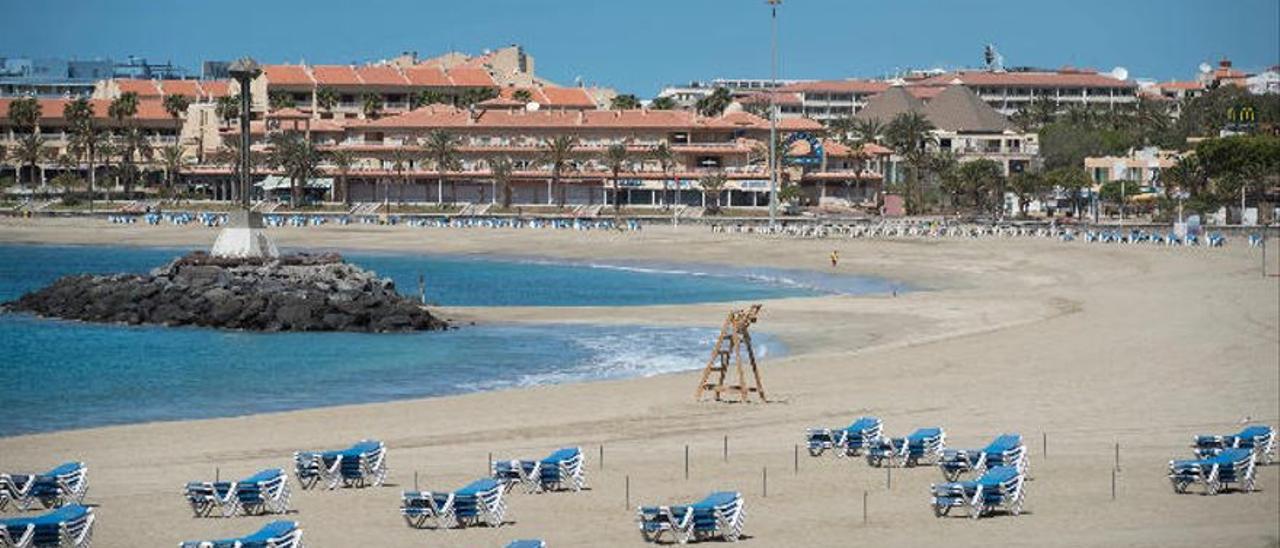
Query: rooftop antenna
(995,61)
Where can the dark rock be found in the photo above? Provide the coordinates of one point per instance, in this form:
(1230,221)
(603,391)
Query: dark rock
(293,293)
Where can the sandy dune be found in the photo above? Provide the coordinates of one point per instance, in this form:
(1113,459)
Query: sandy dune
(1084,345)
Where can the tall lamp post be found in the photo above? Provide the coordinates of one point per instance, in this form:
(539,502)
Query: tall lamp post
(773,113)
(244,235)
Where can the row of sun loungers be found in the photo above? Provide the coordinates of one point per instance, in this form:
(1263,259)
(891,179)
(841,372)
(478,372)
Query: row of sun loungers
(719,515)
(65,484)
(262,493)
(1223,462)
(479,502)
(972,231)
(277,534)
(362,464)
(560,470)
(69,526)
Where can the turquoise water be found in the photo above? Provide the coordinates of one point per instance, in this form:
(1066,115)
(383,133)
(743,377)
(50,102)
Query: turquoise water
(59,375)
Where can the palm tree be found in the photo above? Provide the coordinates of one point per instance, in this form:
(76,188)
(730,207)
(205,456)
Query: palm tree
(712,185)
(442,149)
(500,169)
(107,150)
(136,150)
(662,103)
(327,99)
(401,161)
(227,108)
(343,160)
(176,106)
(371,105)
(870,130)
(1036,114)
(714,104)
(427,97)
(624,102)
(555,153)
(522,95)
(122,109)
(277,100)
(666,159)
(910,134)
(616,158)
(25,114)
(85,137)
(29,153)
(1072,180)
(298,158)
(172,158)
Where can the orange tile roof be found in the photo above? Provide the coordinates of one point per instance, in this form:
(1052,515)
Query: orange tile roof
(189,88)
(443,116)
(144,88)
(568,97)
(335,75)
(471,77)
(287,113)
(1065,78)
(500,102)
(839,150)
(838,86)
(426,76)
(216,88)
(381,75)
(1188,85)
(287,75)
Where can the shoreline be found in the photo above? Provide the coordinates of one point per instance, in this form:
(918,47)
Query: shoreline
(1087,346)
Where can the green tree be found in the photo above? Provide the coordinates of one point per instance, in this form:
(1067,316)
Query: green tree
(662,103)
(441,148)
(1067,144)
(616,158)
(343,160)
(522,95)
(715,103)
(85,138)
(1027,186)
(427,97)
(176,106)
(500,169)
(401,161)
(712,185)
(25,113)
(1036,114)
(298,158)
(135,150)
(371,105)
(277,100)
(173,159)
(555,153)
(227,109)
(327,99)
(911,134)
(29,153)
(624,102)
(666,159)
(981,180)
(1072,180)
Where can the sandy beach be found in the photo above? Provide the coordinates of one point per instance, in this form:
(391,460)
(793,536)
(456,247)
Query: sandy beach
(1078,347)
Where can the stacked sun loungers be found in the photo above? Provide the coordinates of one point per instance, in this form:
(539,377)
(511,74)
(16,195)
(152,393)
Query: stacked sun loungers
(999,488)
(527,543)
(277,534)
(719,515)
(1216,473)
(561,470)
(362,464)
(923,445)
(1260,439)
(479,502)
(262,493)
(1005,450)
(848,441)
(68,527)
(65,484)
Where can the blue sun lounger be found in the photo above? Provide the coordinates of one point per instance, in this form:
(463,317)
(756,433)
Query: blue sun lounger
(478,502)
(65,484)
(999,488)
(527,543)
(362,464)
(1260,439)
(1005,450)
(262,493)
(923,445)
(561,470)
(1230,467)
(68,527)
(721,514)
(848,441)
(277,534)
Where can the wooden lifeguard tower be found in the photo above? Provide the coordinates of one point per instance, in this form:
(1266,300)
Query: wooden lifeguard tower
(735,337)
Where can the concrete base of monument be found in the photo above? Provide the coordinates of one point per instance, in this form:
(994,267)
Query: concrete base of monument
(244,237)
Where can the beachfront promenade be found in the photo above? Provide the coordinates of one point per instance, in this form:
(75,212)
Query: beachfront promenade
(1076,347)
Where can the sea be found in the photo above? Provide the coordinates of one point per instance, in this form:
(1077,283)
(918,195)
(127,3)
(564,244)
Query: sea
(59,375)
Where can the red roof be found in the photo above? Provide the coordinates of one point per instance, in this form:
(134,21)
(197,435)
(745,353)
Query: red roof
(287,75)
(149,109)
(144,88)
(838,86)
(471,77)
(216,88)
(189,88)
(420,75)
(1187,85)
(1064,79)
(443,116)
(568,97)
(335,75)
(381,75)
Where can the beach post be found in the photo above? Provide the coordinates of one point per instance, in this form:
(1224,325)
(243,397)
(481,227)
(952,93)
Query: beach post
(888,477)
(1113,484)
(602,456)
(686,461)
(864,507)
(628,490)
(764,480)
(1044,444)
(1117,456)
(488,464)
(795,458)
(217,474)
(726,448)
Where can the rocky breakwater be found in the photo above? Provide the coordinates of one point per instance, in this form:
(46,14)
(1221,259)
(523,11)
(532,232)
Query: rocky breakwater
(293,293)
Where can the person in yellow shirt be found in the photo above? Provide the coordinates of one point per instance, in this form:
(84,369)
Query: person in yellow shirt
(835,258)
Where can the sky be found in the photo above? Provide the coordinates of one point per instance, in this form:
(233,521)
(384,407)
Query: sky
(638,47)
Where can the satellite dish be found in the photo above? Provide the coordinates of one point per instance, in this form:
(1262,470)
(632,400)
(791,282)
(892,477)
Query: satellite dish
(1120,73)
(1205,68)
(532,106)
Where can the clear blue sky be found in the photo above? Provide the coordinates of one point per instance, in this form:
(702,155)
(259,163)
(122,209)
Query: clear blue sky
(640,46)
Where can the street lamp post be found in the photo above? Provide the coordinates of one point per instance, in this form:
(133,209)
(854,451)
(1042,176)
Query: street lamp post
(773,113)
(244,235)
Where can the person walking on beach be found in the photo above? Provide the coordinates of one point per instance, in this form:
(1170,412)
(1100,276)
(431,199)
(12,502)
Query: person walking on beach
(835,258)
